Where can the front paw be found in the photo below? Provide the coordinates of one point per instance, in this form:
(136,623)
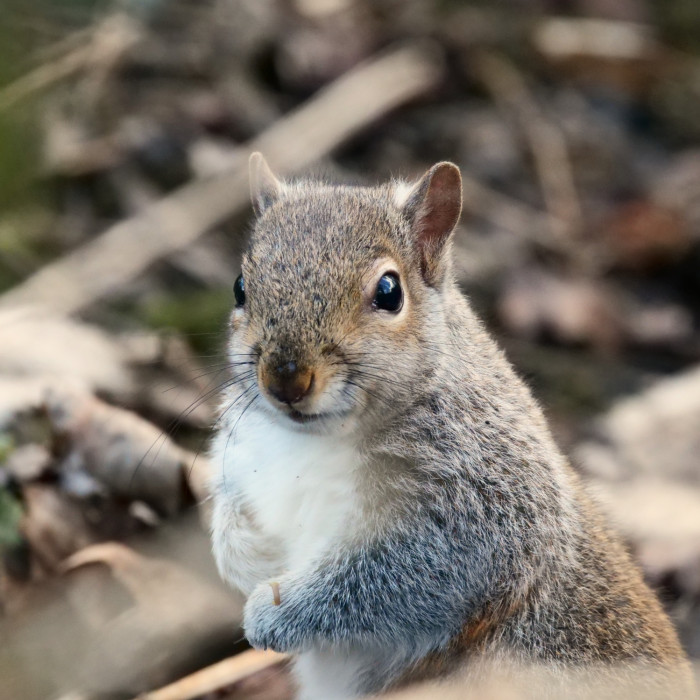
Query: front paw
(262,620)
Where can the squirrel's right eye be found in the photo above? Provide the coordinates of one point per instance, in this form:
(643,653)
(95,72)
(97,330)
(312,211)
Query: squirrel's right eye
(388,296)
(239,291)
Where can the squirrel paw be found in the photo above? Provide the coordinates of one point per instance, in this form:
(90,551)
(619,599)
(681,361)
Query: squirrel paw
(262,619)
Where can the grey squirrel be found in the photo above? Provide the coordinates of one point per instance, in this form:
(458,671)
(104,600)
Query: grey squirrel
(388,495)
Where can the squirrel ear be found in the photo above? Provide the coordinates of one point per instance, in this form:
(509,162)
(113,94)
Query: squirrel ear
(433,207)
(265,188)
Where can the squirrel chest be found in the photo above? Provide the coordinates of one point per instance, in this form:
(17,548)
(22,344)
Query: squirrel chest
(300,488)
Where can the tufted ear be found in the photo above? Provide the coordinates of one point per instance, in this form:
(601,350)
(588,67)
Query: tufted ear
(433,207)
(265,188)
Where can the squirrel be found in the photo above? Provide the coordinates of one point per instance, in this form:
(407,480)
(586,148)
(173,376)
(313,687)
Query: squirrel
(388,495)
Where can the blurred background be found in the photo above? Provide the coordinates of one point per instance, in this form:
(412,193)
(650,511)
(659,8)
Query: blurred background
(125,129)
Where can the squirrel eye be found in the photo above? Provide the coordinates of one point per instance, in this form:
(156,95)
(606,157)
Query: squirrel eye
(239,291)
(389,296)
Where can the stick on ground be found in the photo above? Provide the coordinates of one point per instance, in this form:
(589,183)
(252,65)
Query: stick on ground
(218,676)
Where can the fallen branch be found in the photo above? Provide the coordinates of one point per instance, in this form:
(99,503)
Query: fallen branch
(123,251)
(217,676)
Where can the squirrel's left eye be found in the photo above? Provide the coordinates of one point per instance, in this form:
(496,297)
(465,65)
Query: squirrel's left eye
(239,291)
(389,295)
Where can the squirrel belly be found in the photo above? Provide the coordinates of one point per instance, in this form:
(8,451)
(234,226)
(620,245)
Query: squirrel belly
(283,500)
(380,462)
(294,492)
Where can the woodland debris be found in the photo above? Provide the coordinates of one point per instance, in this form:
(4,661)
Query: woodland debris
(561,38)
(655,434)
(36,344)
(19,395)
(675,188)
(70,152)
(348,105)
(127,623)
(144,369)
(535,304)
(28,462)
(547,142)
(172,610)
(218,676)
(115,35)
(131,457)
(624,55)
(642,236)
(53,525)
(642,461)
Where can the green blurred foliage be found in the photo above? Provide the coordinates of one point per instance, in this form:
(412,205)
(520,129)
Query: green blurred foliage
(10,514)
(200,316)
(27,29)
(10,507)
(18,136)
(679,23)
(7,444)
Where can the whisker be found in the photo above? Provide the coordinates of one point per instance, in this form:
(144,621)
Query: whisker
(391,381)
(172,427)
(367,391)
(233,429)
(216,424)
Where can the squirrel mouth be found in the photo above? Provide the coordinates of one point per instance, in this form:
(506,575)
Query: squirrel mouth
(299,417)
(303,418)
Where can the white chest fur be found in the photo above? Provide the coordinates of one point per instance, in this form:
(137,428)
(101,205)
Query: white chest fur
(300,488)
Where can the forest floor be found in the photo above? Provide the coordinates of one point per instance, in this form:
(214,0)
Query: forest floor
(124,135)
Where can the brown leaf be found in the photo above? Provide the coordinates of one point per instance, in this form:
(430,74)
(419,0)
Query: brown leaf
(40,345)
(174,622)
(53,524)
(127,623)
(28,462)
(142,369)
(131,457)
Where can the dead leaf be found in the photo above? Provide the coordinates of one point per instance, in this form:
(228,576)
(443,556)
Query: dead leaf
(126,623)
(53,524)
(41,350)
(170,623)
(654,434)
(40,345)
(132,458)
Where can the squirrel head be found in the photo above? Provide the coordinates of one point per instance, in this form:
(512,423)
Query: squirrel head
(335,292)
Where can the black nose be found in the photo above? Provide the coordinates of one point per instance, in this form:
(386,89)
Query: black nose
(290,384)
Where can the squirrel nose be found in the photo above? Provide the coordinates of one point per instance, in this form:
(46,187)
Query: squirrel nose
(289,384)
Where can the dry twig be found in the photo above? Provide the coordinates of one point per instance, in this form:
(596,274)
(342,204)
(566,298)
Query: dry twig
(217,676)
(547,143)
(108,41)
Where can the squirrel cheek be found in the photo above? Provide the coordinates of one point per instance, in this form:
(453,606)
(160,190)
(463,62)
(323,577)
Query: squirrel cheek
(236,319)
